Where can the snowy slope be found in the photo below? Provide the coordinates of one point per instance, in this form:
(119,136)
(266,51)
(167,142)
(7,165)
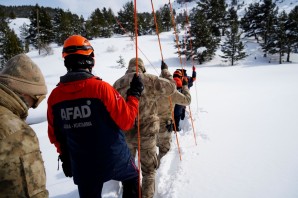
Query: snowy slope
(245,124)
(286,5)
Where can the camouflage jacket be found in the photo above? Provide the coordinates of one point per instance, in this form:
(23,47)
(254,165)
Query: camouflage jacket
(154,89)
(166,104)
(22,172)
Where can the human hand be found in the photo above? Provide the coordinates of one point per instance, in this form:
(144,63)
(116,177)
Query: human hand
(163,65)
(184,81)
(66,166)
(136,86)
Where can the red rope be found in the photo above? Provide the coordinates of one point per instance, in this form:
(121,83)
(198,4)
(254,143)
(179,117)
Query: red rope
(156,27)
(175,128)
(175,32)
(125,31)
(137,71)
(191,54)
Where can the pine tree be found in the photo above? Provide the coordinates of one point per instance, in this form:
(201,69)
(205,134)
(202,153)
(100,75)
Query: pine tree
(24,33)
(101,23)
(77,24)
(46,27)
(63,26)
(121,62)
(181,18)
(95,23)
(109,22)
(204,44)
(251,21)
(292,27)
(278,39)
(220,15)
(59,26)
(12,15)
(12,45)
(232,46)
(126,17)
(41,29)
(158,21)
(166,17)
(269,15)
(215,11)
(3,29)
(145,22)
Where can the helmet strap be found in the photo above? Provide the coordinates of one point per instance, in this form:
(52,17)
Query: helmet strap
(74,62)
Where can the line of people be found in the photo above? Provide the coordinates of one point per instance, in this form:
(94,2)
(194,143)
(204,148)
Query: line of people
(93,125)
(180,75)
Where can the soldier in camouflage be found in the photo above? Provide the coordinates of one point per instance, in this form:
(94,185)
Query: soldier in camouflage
(22,172)
(165,109)
(154,89)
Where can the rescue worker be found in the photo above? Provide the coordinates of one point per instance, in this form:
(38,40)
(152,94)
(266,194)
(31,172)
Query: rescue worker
(179,110)
(180,75)
(22,171)
(191,78)
(154,89)
(85,119)
(165,109)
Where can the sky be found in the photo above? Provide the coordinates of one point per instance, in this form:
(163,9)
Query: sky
(86,7)
(243,141)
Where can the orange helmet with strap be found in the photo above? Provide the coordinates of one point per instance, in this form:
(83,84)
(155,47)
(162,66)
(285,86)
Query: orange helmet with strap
(78,53)
(76,44)
(178,74)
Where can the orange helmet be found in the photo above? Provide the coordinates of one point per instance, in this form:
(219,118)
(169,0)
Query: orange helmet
(178,74)
(77,44)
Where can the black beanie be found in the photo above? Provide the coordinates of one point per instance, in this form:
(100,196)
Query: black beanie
(77,61)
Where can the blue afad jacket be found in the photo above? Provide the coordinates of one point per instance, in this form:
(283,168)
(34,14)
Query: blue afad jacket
(85,118)
(179,110)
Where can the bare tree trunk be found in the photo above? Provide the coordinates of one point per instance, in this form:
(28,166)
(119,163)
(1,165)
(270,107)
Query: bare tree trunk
(288,54)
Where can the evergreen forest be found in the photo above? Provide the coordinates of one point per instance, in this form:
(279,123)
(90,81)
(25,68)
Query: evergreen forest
(207,27)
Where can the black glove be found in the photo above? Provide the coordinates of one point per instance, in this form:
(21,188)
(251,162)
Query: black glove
(184,81)
(66,166)
(170,127)
(163,65)
(194,74)
(183,114)
(136,87)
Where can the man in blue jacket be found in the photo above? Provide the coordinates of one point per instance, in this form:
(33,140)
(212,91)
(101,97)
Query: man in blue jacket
(86,117)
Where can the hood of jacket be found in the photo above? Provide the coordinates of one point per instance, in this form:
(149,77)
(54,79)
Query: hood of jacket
(13,102)
(132,66)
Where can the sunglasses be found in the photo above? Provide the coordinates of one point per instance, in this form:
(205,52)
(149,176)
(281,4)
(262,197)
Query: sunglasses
(37,100)
(73,48)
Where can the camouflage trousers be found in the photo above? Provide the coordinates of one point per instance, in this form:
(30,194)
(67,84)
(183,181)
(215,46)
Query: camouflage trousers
(148,155)
(164,139)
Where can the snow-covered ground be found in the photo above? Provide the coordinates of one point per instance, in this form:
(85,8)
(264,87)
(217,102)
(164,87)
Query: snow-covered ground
(245,134)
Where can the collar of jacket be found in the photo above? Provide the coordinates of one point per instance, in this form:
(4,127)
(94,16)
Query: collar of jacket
(75,75)
(13,102)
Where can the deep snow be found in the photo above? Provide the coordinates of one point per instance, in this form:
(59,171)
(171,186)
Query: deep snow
(245,123)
